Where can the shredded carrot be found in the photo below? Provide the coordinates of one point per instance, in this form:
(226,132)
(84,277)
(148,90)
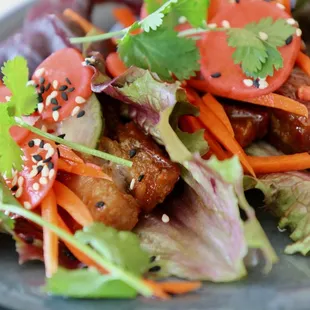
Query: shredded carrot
(220,132)
(84,23)
(303,93)
(200,85)
(303,62)
(115,65)
(72,204)
(84,169)
(280,102)
(124,16)
(287,4)
(50,239)
(157,290)
(179,287)
(218,109)
(282,163)
(215,147)
(66,153)
(76,252)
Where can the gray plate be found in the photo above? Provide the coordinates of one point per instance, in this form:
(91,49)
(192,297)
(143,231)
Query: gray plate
(287,287)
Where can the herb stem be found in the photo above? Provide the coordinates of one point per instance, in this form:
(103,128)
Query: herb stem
(99,37)
(198,31)
(123,275)
(75,146)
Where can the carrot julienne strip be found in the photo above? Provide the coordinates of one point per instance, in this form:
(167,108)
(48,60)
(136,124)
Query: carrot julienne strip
(66,153)
(303,62)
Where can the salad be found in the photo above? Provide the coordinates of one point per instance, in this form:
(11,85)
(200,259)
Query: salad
(125,156)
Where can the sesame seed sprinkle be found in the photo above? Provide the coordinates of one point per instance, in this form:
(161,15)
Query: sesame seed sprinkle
(15,179)
(68,81)
(141,177)
(165,218)
(289,40)
(40,107)
(43,181)
(132,153)
(55,84)
(48,86)
(37,157)
(212,26)
(51,174)
(58,107)
(37,142)
(48,100)
(36,186)
(44,128)
(27,205)
(41,145)
(55,116)
(100,204)
(50,165)
(80,100)
(155,269)
(39,168)
(42,80)
(19,192)
(80,114)
(75,111)
(64,96)
(152,259)
(226,24)
(33,173)
(39,72)
(291,21)
(31,143)
(132,184)
(50,153)
(248,82)
(216,75)
(47,160)
(63,87)
(298,32)
(263,35)
(280,6)
(31,83)
(20,181)
(14,188)
(7,98)
(47,146)
(54,101)
(45,171)
(70,90)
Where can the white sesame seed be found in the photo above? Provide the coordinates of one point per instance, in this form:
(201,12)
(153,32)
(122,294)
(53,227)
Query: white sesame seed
(33,173)
(40,107)
(20,181)
(165,218)
(55,116)
(27,205)
(36,186)
(132,184)
(43,181)
(291,21)
(39,72)
(45,171)
(19,192)
(182,20)
(263,36)
(48,100)
(7,98)
(50,153)
(280,6)
(36,142)
(263,84)
(281,230)
(75,111)
(298,32)
(14,173)
(226,24)
(43,128)
(80,100)
(51,174)
(47,146)
(55,84)
(14,182)
(54,94)
(31,83)
(248,82)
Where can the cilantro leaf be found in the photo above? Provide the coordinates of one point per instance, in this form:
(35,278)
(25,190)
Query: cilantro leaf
(24,97)
(258,57)
(250,50)
(120,247)
(10,152)
(71,283)
(161,51)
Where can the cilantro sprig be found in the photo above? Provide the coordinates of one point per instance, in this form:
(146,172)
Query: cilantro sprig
(24,102)
(119,253)
(161,50)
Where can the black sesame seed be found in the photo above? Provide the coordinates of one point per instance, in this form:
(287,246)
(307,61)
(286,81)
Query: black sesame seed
(64,96)
(42,80)
(256,83)
(141,177)
(216,75)
(154,269)
(48,86)
(40,98)
(152,259)
(29,239)
(62,136)
(39,168)
(14,188)
(132,153)
(58,152)
(47,160)
(37,157)
(42,89)
(237,1)
(63,87)
(80,114)
(36,85)
(50,165)
(289,40)
(100,204)
(31,143)
(70,90)
(54,101)
(56,108)
(41,145)
(68,81)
